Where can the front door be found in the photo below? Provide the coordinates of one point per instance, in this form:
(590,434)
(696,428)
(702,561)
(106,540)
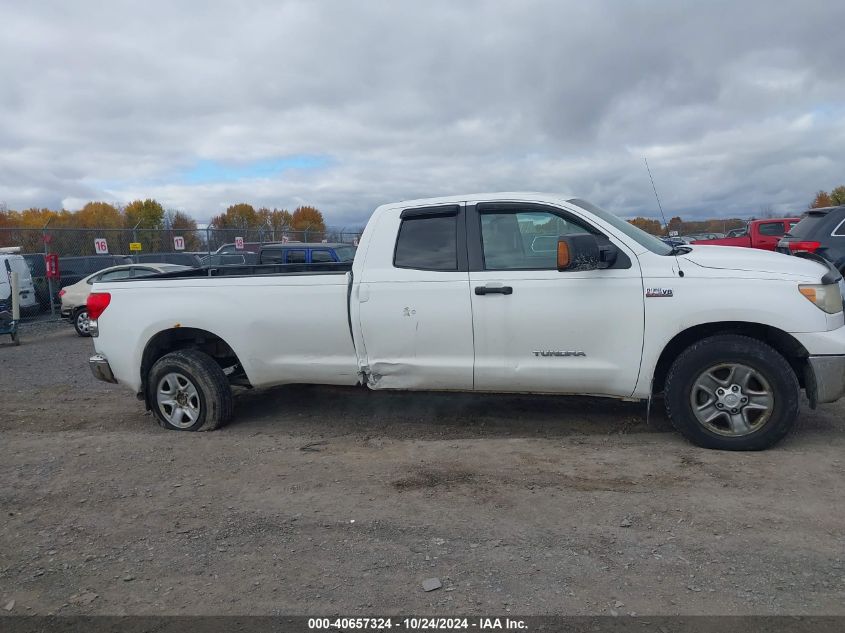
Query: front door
(413,302)
(537,329)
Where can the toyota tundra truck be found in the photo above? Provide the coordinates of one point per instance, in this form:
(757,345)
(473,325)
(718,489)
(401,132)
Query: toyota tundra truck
(517,293)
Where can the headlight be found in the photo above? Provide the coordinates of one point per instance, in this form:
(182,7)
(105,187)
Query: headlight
(827,297)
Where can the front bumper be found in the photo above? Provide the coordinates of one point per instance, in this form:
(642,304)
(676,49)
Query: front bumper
(825,379)
(101,369)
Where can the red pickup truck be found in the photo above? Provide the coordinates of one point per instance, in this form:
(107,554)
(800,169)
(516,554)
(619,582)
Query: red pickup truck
(763,234)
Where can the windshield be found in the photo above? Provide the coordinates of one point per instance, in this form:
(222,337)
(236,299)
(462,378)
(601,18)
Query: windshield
(654,244)
(345,253)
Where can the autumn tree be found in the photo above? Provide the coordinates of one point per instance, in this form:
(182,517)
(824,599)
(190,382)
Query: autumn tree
(675,224)
(237,216)
(308,219)
(98,215)
(821,200)
(146,214)
(837,196)
(182,224)
(275,222)
(648,225)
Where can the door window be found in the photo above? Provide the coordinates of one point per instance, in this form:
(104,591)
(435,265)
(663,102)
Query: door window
(321,256)
(772,228)
(524,240)
(296,257)
(271,256)
(427,243)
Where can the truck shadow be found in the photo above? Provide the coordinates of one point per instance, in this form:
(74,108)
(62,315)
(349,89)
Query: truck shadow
(438,415)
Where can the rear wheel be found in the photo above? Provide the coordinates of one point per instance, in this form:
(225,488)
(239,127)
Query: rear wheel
(188,391)
(732,392)
(81,322)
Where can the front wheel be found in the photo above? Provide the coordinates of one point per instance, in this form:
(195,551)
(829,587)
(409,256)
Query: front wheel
(81,322)
(732,392)
(188,391)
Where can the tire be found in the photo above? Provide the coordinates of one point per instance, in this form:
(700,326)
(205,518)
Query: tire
(706,417)
(80,322)
(16,337)
(201,396)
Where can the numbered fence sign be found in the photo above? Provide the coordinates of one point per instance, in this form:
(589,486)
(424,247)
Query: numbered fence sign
(178,243)
(239,243)
(101,246)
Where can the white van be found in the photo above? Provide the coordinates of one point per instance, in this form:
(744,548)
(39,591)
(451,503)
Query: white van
(10,263)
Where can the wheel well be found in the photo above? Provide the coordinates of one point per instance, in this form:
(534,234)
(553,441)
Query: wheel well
(783,342)
(174,339)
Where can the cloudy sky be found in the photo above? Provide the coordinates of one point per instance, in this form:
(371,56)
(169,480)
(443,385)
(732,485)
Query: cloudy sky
(739,106)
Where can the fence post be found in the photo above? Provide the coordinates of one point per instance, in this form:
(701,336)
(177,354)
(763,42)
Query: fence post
(208,239)
(49,279)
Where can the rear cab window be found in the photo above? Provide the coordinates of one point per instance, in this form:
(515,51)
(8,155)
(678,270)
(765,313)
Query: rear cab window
(428,239)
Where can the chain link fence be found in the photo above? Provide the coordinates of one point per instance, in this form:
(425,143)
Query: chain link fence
(85,251)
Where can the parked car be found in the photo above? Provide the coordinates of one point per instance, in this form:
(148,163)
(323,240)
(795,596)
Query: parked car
(444,295)
(193,260)
(762,234)
(73,269)
(15,263)
(75,296)
(820,231)
(306,253)
(228,259)
(738,232)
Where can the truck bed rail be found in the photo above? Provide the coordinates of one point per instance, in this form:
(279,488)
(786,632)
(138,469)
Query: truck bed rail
(248,270)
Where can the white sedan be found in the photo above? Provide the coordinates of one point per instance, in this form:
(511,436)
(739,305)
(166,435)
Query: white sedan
(74,297)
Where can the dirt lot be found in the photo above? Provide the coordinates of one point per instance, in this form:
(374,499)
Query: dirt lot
(517,504)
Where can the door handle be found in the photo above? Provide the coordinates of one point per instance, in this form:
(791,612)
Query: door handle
(493,290)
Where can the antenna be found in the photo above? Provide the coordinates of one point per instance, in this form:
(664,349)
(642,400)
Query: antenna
(663,215)
(659,206)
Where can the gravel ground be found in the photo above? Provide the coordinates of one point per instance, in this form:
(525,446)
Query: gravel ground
(327,500)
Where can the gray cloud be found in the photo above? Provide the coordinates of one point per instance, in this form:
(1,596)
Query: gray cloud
(737,105)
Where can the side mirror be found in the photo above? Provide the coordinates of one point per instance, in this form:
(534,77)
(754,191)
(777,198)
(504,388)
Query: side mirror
(578,252)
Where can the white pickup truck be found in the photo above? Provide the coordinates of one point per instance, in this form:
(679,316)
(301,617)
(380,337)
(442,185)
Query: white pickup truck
(524,293)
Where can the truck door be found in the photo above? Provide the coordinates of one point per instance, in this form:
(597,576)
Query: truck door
(413,301)
(538,329)
(769,234)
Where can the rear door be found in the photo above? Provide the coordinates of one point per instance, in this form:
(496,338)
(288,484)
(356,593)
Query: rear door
(414,309)
(538,329)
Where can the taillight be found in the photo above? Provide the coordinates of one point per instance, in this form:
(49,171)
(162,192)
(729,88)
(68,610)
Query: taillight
(810,247)
(97,304)
(62,292)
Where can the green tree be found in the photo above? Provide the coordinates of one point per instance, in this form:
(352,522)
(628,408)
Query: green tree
(837,196)
(146,214)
